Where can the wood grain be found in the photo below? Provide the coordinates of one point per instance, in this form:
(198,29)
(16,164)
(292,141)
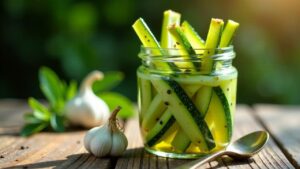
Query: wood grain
(270,157)
(284,124)
(65,150)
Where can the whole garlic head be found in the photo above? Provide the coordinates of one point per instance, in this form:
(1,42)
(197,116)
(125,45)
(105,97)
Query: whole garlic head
(86,109)
(106,139)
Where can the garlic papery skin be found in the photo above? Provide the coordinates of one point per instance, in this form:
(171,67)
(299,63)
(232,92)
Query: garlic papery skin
(106,140)
(100,145)
(86,109)
(119,142)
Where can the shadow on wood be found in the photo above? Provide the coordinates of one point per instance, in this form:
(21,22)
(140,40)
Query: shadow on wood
(84,160)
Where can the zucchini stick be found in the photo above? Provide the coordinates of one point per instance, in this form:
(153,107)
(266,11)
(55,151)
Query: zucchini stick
(153,113)
(228,33)
(181,42)
(170,18)
(212,41)
(148,40)
(192,36)
(145,96)
(179,142)
(185,113)
(185,48)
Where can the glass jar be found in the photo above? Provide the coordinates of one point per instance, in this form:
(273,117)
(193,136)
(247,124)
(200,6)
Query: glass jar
(186,102)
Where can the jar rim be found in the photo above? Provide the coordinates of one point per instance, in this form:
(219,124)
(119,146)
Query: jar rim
(231,47)
(155,53)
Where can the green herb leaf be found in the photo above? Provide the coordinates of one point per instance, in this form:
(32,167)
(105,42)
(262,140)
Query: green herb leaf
(39,111)
(52,88)
(110,80)
(71,90)
(57,123)
(30,118)
(115,99)
(32,128)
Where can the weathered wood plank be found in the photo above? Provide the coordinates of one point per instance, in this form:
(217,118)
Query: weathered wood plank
(270,157)
(133,156)
(284,124)
(48,150)
(65,150)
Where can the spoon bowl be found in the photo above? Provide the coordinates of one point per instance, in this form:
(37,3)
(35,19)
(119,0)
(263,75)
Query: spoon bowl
(248,145)
(242,148)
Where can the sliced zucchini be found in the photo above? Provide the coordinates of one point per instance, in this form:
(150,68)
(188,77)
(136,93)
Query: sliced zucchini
(228,33)
(159,129)
(168,134)
(192,36)
(184,49)
(149,40)
(146,96)
(181,41)
(229,89)
(212,41)
(185,112)
(181,141)
(153,113)
(170,18)
(191,89)
(218,118)
(203,98)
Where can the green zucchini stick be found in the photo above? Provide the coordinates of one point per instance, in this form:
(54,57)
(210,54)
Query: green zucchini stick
(170,18)
(228,33)
(212,42)
(193,37)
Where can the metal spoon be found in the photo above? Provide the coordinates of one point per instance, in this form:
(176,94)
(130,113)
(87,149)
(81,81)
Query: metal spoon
(242,148)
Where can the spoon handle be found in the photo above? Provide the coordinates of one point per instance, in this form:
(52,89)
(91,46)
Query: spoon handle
(196,163)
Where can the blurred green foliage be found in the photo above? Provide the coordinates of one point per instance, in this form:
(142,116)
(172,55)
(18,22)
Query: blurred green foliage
(74,37)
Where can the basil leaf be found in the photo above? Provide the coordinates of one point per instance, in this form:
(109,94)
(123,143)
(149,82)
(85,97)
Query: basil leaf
(32,128)
(30,118)
(57,123)
(113,100)
(39,110)
(110,80)
(52,88)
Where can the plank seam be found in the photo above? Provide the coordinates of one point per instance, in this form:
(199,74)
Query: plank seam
(267,159)
(280,158)
(272,156)
(167,160)
(277,142)
(251,160)
(141,159)
(261,159)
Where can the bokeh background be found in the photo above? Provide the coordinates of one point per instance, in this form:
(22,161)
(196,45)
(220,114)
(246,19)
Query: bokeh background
(74,37)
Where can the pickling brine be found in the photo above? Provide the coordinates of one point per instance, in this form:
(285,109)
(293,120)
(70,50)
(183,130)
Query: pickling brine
(186,115)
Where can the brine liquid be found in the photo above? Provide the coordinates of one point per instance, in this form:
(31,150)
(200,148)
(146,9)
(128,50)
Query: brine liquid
(164,146)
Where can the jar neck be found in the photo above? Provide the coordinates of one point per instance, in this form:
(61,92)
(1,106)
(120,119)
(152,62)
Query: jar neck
(202,61)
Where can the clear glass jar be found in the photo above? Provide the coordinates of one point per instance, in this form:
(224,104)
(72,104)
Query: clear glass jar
(186,102)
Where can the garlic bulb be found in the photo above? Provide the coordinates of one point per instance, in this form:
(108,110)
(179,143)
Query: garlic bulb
(86,109)
(106,139)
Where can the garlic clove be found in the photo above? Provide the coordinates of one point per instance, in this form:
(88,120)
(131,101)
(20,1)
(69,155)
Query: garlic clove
(119,143)
(107,139)
(101,143)
(88,137)
(86,109)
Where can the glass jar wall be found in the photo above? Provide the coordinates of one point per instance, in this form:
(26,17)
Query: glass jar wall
(186,103)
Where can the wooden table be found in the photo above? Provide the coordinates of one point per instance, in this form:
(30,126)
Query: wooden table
(65,150)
